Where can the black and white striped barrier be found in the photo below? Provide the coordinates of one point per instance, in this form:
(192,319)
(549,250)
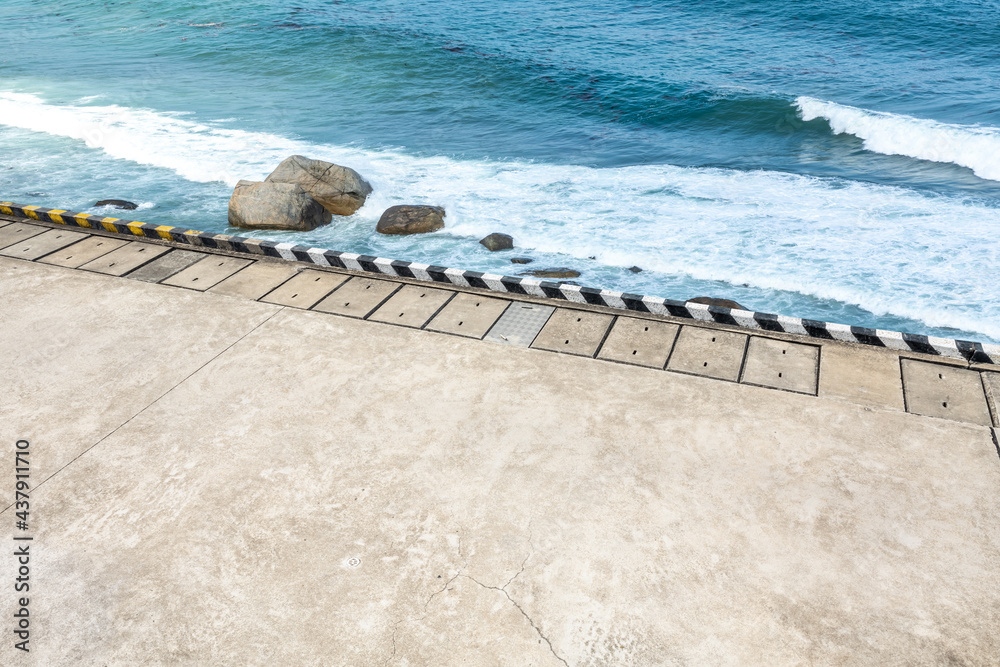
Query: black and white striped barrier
(945,347)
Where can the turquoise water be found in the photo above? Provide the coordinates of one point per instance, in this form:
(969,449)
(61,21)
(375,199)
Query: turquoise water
(837,161)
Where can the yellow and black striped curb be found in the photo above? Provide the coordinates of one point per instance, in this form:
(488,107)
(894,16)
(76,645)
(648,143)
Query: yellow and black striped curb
(969,351)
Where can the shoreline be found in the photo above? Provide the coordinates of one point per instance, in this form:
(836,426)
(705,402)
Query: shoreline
(971,352)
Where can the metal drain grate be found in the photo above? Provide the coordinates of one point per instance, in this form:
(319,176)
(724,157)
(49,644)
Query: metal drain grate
(519,324)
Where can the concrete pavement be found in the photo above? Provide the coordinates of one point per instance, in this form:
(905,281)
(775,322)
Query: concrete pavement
(223,480)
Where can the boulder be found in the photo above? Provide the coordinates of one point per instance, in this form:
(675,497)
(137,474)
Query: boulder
(117,203)
(497,241)
(521,260)
(560,272)
(340,190)
(401,220)
(720,303)
(635,269)
(256,205)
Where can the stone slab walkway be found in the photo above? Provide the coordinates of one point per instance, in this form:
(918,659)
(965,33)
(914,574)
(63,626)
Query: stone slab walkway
(271,464)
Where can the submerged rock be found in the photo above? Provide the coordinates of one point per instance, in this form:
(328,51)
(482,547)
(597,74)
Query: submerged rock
(340,190)
(411,220)
(712,301)
(559,272)
(635,269)
(521,260)
(264,205)
(117,203)
(497,241)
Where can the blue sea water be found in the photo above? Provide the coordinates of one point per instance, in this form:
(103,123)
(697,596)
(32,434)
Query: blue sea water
(837,161)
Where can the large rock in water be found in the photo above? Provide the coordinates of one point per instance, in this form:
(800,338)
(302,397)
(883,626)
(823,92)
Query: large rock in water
(340,190)
(497,241)
(256,205)
(558,272)
(712,301)
(410,220)
(117,203)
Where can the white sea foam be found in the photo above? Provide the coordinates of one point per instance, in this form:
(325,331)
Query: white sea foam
(972,146)
(890,250)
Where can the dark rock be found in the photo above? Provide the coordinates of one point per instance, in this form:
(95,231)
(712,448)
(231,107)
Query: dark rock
(521,260)
(411,220)
(497,241)
(635,269)
(559,272)
(721,303)
(340,190)
(265,205)
(117,203)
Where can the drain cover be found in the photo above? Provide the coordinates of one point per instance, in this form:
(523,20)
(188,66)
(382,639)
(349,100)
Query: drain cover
(519,324)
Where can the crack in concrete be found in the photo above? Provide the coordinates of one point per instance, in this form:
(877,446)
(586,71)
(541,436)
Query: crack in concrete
(434,595)
(526,617)
(395,626)
(511,580)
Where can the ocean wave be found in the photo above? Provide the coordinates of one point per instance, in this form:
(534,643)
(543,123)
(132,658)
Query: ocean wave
(888,250)
(975,147)
(195,151)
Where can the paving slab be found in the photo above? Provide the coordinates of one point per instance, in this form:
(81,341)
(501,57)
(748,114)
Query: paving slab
(207,272)
(781,365)
(80,253)
(16,232)
(81,353)
(126,258)
(991,382)
(469,315)
(165,266)
(43,244)
(640,342)
(861,375)
(573,332)
(519,324)
(709,352)
(358,297)
(938,390)
(256,280)
(412,306)
(305,288)
(524,514)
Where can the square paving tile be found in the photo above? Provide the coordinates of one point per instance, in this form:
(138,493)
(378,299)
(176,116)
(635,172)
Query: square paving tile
(573,332)
(358,297)
(207,272)
(519,324)
(84,251)
(16,232)
(709,352)
(256,280)
(43,244)
(640,342)
(165,266)
(126,258)
(469,315)
(949,392)
(861,374)
(412,306)
(305,289)
(782,365)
